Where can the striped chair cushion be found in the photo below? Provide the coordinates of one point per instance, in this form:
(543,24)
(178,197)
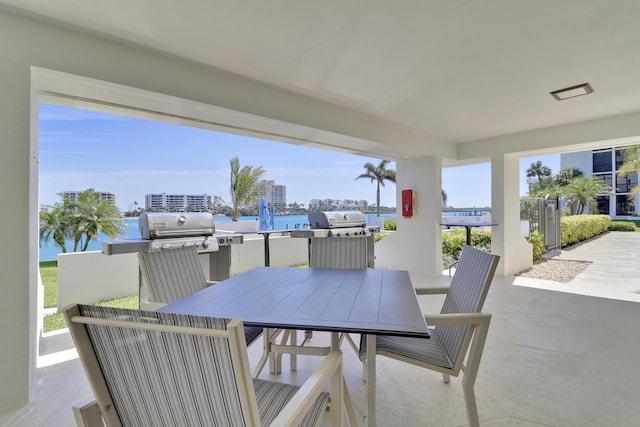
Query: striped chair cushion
(174,273)
(423,350)
(169,379)
(467,292)
(251,333)
(273,396)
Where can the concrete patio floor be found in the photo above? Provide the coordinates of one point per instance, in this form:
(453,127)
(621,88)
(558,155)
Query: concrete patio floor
(554,356)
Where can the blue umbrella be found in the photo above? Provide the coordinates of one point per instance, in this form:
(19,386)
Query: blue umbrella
(264,216)
(271,217)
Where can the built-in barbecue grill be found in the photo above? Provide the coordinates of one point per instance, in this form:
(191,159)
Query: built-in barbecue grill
(339,240)
(167,230)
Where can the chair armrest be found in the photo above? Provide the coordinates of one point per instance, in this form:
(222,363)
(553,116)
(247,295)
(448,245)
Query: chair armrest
(458,319)
(151,306)
(293,413)
(436,290)
(212,282)
(87,413)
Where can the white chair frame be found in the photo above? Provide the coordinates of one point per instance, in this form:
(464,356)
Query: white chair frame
(329,372)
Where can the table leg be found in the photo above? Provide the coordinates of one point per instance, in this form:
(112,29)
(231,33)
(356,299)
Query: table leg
(371,381)
(468,235)
(267,256)
(351,414)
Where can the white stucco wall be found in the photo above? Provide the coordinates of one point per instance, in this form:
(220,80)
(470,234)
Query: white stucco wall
(89,277)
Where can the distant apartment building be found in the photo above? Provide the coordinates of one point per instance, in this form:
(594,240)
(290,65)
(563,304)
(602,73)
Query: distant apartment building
(604,165)
(274,194)
(339,204)
(104,195)
(178,202)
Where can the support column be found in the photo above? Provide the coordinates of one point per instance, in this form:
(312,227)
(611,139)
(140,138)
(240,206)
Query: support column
(516,254)
(416,246)
(18,256)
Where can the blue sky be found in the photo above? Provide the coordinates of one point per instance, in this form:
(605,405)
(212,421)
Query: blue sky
(131,157)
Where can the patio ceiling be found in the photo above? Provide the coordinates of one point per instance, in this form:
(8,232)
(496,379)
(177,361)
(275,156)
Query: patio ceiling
(458,71)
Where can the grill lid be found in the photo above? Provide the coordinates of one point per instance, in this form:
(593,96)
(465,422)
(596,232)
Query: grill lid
(336,219)
(162,225)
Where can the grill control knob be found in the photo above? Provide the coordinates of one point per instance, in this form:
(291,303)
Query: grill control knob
(205,243)
(166,246)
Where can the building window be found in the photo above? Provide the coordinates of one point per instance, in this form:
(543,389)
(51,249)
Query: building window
(625,204)
(603,205)
(605,178)
(602,161)
(627,182)
(620,155)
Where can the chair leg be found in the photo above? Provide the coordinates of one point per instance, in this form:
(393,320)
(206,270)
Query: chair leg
(275,362)
(293,358)
(446,378)
(266,354)
(470,401)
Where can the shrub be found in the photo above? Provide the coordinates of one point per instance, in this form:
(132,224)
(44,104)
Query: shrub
(537,240)
(390,225)
(454,240)
(379,236)
(622,226)
(577,228)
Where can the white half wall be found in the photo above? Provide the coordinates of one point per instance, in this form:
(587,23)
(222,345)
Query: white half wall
(89,277)
(284,251)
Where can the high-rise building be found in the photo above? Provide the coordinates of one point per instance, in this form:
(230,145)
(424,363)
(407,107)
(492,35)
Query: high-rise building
(274,194)
(178,202)
(104,195)
(604,165)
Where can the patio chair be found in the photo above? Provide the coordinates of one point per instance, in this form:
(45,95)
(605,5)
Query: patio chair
(173,274)
(150,368)
(460,327)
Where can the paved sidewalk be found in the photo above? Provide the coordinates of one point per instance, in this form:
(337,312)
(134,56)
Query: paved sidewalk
(614,272)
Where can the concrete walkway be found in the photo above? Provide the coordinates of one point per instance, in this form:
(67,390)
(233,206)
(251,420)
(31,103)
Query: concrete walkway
(614,272)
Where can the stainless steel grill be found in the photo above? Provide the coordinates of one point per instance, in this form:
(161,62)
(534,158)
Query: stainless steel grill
(166,230)
(339,240)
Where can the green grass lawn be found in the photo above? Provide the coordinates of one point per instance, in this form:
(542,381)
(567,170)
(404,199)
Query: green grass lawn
(53,322)
(49,274)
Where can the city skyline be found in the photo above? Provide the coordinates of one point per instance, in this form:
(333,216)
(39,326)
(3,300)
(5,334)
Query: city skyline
(132,157)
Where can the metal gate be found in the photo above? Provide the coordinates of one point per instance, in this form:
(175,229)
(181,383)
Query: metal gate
(543,216)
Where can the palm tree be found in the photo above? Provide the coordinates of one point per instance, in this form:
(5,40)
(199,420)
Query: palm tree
(92,215)
(80,220)
(53,224)
(631,164)
(244,186)
(445,196)
(380,174)
(566,175)
(538,170)
(583,192)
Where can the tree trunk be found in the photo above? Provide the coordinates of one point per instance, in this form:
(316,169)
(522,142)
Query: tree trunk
(378,200)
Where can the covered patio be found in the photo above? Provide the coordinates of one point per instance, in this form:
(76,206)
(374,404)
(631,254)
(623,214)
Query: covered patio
(425,84)
(552,358)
